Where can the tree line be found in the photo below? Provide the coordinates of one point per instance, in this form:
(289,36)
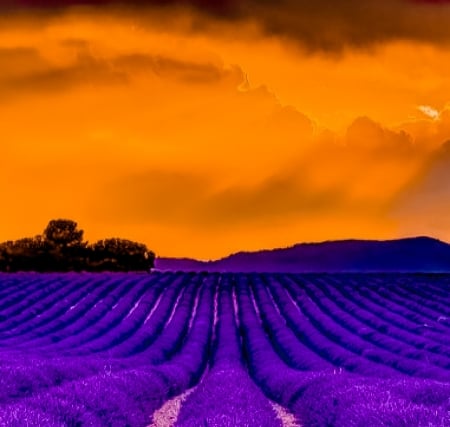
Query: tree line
(61,248)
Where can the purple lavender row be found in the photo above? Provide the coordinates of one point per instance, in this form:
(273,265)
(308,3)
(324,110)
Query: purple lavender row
(264,364)
(10,284)
(195,348)
(21,304)
(176,328)
(295,353)
(226,349)
(227,396)
(309,331)
(27,326)
(129,396)
(56,370)
(106,315)
(27,378)
(437,286)
(79,286)
(103,290)
(427,286)
(323,399)
(124,397)
(397,314)
(277,380)
(376,342)
(146,326)
(376,327)
(323,321)
(368,302)
(155,341)
(24,375)
(22,287)
(429,304)
(414,310)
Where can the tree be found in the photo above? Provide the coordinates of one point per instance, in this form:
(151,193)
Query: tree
(122,255)
(61,248)
(63,233)
(29,253)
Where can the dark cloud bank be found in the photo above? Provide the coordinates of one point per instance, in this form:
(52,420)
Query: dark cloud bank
(321,25)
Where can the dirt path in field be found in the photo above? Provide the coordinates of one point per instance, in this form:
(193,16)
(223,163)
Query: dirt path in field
(167,415)
(285,416)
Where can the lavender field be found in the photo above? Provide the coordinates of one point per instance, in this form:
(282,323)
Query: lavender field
(337,350)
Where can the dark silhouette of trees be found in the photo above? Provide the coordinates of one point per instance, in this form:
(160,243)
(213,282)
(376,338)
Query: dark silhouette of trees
(61,248)
(29,253)
(63,233)
(120,255)
(64,246)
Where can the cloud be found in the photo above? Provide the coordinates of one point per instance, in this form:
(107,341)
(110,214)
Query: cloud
(329,176)
(134,125)
(429,111)
(366,134)
(161,196)
(323,25)
(279,198)
(27,72)
(430,131)
(173,68)
(19,61)
(85,70)
(358,174)
(292,122)
(424,204)
(174,198)
(331,26)
(24,71)
(21,55)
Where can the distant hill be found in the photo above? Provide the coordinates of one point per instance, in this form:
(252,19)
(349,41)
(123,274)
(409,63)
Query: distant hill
(416,254)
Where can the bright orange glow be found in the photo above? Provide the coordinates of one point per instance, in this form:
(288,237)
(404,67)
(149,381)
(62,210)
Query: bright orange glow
(201,141)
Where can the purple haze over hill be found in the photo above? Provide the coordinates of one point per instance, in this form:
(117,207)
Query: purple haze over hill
(416,254)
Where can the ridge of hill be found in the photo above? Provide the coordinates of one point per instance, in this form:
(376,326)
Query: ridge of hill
(414,254)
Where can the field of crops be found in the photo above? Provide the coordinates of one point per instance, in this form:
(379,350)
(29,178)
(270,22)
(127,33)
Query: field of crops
(331,350)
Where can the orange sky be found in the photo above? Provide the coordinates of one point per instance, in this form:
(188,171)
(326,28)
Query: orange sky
(202,136)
